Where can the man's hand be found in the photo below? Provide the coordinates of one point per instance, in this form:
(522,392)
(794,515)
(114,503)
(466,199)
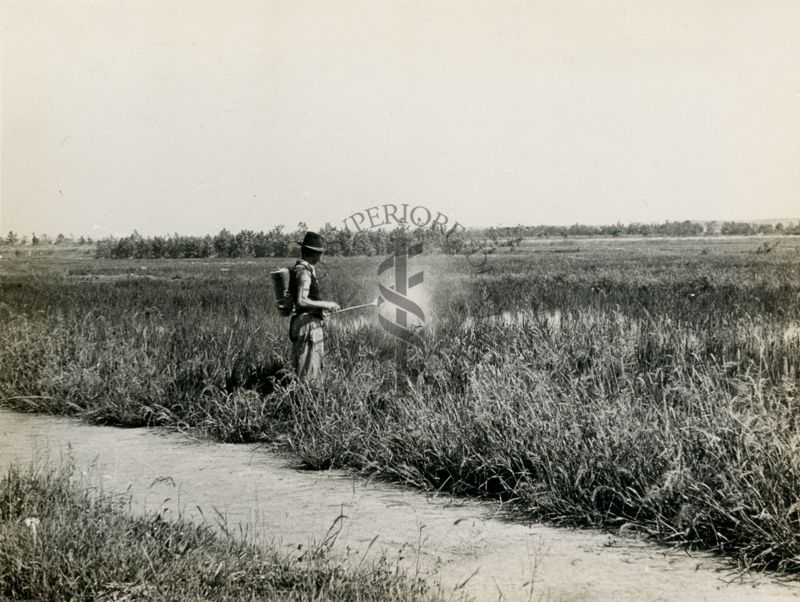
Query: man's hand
(332,306)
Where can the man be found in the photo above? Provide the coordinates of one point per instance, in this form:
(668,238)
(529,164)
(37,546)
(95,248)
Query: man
(305,327)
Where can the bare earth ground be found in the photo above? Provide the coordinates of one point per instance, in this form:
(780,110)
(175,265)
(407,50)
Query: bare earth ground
(466,540)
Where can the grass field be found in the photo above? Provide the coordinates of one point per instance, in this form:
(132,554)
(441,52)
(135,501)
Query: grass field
(645,385)
(61,541)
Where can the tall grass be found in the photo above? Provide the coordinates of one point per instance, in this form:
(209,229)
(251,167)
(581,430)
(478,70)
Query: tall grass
(61,542)
(575,422)
(643,387)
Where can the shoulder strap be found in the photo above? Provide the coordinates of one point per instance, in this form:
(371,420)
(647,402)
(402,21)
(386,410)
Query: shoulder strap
(305,266)
(293,276)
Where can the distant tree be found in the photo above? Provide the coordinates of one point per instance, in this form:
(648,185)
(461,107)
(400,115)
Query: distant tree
(12,238)
(34,239)
(581,230)
(224,243)
(244,243)
(737,228)
(205,246)
(454,243)
(380,241)
(329,234)
(279,243)
(299,233)
(106,248)
(261,246)
(362,245)
(344,242)
(61,239)
(158,247)
(689,228)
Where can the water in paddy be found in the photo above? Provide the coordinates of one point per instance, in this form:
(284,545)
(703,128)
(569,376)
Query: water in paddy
(453,541)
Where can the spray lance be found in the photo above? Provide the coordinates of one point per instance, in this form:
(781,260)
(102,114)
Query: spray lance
(363,305)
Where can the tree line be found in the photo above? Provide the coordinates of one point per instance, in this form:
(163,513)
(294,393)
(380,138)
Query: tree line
(279,242)
(275,243)
(668,228)
(14,239)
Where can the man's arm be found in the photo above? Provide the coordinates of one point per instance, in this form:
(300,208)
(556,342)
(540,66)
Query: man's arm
(303,287)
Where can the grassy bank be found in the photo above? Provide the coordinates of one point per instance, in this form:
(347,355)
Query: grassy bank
(649,385)
(61,542)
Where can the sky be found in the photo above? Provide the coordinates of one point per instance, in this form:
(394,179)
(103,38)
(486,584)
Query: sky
(190,116)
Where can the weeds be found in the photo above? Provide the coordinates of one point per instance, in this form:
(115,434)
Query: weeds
(61,542)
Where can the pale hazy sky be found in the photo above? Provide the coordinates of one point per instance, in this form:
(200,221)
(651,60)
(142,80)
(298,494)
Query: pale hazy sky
(190,116)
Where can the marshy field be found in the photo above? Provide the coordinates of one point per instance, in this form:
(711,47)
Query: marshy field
(640,385)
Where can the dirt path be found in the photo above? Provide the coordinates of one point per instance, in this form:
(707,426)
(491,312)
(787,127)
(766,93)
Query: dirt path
(250,486)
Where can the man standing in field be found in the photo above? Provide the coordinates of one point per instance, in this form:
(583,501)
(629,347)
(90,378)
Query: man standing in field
(306,325)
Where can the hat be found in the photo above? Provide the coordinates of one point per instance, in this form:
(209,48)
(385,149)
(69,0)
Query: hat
(313,242)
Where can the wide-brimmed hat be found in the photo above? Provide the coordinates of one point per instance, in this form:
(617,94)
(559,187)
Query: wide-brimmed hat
(313,242)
